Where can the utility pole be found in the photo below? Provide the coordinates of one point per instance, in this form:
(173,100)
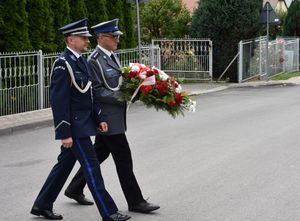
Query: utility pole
(267,43)
(268,17)
(139,30)
(138,24)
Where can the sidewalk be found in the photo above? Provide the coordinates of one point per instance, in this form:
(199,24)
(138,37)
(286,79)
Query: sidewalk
(12,123)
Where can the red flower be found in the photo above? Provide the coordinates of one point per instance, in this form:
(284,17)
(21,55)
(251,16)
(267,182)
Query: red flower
(150,73)
(171,103)
(146,89)
(132,74)
(155,70)
(160,87)
(164,84)
(174,83)
(178,98)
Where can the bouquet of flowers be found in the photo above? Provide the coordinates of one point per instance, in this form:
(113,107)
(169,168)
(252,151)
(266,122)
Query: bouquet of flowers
(155,89)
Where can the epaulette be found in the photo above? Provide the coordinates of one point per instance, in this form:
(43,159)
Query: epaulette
(62,57)
(95,55)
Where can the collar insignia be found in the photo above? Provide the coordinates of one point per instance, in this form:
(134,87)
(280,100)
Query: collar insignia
(73,58)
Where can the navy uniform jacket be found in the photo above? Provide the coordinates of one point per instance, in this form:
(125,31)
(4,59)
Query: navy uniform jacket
(72,109)
(106,77)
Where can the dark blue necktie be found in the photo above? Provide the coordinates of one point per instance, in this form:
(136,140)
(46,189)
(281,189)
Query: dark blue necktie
(81,60)
(114,59)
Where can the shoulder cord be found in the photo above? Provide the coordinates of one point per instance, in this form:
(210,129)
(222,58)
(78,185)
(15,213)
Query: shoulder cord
(52,69)
(88,85)
(105,82)
(72,78)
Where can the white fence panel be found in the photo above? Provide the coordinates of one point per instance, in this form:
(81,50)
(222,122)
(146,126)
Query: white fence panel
(25,77)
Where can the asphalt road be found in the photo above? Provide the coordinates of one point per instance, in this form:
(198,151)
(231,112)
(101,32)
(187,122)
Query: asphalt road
(236,159)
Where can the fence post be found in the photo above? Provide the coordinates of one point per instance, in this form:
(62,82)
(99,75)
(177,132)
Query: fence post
(298,54)
(40,79)
(283,55)
(211,60)
(0,75)
(152,55)
(260,57)
(240,74)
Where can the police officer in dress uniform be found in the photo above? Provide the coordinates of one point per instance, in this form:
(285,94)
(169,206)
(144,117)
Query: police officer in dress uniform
(74,119)
(107,79)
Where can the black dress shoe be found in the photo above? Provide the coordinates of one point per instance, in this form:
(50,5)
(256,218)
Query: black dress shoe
(143,207)
(48,214)
(117,217)
(80,198)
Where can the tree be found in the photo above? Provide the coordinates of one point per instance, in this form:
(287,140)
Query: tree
(40,22)
(97,13)
(14,26)
(164,18)
(226,22)
(282,16)
(78,10)
(292,22)
(116,11)
(61,14)
(129,34)
(277,30)
(114,8)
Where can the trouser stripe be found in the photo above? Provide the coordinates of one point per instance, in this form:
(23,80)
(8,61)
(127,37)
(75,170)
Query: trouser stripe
(92,178)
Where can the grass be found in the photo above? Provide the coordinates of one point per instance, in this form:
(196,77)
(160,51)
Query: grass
(287,75)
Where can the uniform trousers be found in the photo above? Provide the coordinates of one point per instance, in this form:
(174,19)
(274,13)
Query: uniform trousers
(118,146)
(83,151)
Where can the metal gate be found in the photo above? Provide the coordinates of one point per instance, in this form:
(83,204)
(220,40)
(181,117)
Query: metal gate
(186,58)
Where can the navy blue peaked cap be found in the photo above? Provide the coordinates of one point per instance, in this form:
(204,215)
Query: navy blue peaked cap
(77,28)
(110,27)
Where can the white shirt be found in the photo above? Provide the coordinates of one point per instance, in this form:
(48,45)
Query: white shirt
(107,52)
(74,52)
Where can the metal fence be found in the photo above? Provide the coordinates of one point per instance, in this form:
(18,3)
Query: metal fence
(282,53)
(186,58)
(25,77)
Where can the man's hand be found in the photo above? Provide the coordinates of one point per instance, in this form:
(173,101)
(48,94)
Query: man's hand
(67,143)
(103,127)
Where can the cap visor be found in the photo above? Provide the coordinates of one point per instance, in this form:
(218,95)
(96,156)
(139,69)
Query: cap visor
(115,33)
(83,35)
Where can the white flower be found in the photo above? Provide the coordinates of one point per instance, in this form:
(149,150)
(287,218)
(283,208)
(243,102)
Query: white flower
(178,89)
(191,106)
(143,75)
(134,67)
(163,75)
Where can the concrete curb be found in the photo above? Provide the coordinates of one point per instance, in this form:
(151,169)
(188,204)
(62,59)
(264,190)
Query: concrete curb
(16,122)
(29,125)
(221,88)
(248,84)
(42,118)
(263,84)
